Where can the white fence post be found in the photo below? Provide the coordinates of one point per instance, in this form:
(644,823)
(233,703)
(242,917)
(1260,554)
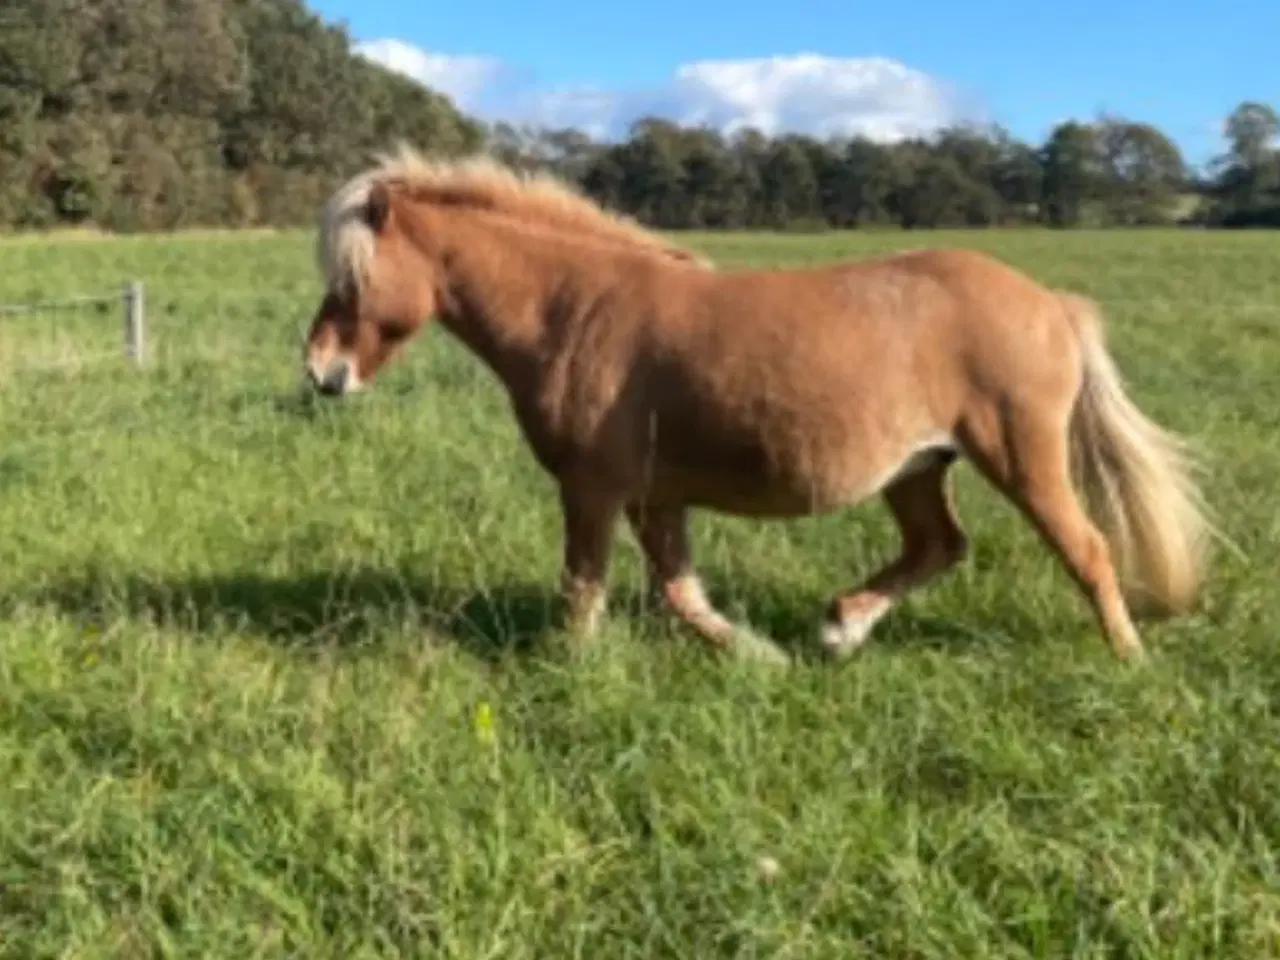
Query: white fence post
(134,322)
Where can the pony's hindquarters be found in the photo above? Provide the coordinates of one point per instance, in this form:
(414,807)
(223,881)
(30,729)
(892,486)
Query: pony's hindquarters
(1137,479)
(1108,489)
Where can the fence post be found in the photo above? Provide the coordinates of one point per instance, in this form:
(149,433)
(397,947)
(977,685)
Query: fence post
(134,322)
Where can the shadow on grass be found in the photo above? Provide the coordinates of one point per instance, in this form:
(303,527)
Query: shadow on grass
(318,609)
(351,608)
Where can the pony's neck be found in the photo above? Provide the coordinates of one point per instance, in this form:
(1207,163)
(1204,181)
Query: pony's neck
(500,285)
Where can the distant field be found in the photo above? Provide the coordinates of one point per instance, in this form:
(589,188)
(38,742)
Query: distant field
(248,656)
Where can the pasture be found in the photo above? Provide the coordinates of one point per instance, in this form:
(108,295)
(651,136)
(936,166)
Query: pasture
(279,680)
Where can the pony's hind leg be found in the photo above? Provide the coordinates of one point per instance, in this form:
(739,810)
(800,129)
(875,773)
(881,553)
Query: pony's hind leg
(1026,455)
(932,543)
(662,531)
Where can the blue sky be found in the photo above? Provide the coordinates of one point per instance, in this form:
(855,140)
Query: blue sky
(824,66)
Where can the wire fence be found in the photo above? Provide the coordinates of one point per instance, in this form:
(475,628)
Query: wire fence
(129,304)
(169,362)
(50,343)
(83,331)
(151,360)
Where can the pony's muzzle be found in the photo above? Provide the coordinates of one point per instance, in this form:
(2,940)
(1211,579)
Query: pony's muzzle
(333,380)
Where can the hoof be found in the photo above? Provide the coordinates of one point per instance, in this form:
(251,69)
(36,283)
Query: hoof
(839,640)
(1135,654)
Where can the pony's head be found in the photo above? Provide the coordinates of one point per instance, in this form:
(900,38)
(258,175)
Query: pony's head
(378,289)
(375,250)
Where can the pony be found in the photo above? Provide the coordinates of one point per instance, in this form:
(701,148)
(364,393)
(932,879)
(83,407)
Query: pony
(648,383)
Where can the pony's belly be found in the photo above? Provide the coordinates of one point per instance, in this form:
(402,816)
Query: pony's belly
(752,493)
(802,487)
(766,504)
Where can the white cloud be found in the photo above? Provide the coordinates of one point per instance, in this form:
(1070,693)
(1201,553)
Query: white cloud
(806,92)
(464,78)
(881,98)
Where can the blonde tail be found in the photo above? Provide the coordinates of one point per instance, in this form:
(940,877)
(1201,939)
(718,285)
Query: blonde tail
(1137,480)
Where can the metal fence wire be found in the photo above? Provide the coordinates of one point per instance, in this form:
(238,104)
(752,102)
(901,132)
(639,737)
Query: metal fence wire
(28,345)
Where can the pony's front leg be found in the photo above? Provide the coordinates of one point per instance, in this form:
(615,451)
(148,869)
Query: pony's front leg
(589,521)
(664,538)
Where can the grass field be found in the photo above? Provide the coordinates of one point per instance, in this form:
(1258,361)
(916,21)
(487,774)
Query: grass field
(285,685)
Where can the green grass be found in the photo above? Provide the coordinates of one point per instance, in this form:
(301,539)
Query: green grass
(245,651)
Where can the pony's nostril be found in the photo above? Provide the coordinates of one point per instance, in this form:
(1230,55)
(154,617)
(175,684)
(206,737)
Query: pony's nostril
(331,380)
(335,379)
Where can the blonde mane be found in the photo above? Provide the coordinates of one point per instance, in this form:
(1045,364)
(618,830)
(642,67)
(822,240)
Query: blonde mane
(345,241)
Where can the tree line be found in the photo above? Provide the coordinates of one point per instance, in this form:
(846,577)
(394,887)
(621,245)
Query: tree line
(157,114)
(1111,171)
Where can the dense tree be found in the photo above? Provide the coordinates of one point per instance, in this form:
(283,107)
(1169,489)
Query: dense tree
(1252,129)
(1071,173)
(1246,188)
(788,185)
(160,113)
(1142,173)
(716,195)
(144,114)
(869,182)
(1017,178)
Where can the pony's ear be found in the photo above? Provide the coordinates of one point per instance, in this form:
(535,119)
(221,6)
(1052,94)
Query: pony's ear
(378,207)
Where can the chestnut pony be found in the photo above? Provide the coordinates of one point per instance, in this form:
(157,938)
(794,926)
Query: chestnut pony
(648,383)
